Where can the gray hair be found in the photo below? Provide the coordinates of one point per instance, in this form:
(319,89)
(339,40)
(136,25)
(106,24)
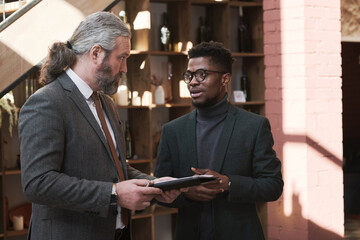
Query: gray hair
(100,28)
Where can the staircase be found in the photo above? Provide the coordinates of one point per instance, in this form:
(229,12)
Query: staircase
(24,43)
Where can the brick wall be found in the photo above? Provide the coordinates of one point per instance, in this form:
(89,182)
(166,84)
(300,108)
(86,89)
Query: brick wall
(303,102)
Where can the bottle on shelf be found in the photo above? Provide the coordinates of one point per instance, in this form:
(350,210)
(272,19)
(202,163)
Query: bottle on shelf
(245,86)
(159,95)
(243,33)
(168,83)
(123,17)
(201,31)
(129,153)
(165,34)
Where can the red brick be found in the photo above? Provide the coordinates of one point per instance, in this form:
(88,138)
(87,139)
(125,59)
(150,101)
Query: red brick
(271,15)
(273,106)
(271,4)
(272,94)
(271,27)
(272,37)
(271,72)
(273,60)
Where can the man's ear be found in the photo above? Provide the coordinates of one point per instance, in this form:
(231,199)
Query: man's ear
(96,53)
(225,79)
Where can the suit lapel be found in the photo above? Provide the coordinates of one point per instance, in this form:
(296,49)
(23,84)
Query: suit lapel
(75,95)
(224,139)
(115,125)
(190,132)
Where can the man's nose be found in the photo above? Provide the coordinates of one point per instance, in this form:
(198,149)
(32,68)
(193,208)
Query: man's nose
(123,67)
(193,80)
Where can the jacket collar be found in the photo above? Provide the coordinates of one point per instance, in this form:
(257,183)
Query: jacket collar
(225,137)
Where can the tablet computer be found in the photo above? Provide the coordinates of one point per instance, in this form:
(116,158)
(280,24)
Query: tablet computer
(184,182)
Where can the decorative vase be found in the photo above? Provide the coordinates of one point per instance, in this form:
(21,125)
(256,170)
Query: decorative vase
(159,95)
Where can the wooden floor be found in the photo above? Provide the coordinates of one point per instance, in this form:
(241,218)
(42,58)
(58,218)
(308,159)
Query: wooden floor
(352,228)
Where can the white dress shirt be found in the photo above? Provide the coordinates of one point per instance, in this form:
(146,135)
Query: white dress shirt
(86,91)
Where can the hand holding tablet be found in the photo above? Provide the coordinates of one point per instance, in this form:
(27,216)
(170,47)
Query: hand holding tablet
(184,182)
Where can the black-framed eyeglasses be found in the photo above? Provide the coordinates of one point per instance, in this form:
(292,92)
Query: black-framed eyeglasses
(199,74)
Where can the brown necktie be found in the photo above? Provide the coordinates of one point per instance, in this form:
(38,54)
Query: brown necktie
(125,213)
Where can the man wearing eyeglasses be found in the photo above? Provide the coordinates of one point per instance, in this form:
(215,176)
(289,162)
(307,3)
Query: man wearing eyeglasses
(222,140)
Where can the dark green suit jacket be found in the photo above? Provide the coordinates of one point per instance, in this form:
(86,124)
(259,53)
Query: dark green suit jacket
(245,155)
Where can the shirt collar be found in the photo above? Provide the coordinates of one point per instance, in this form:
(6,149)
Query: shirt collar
(83,87)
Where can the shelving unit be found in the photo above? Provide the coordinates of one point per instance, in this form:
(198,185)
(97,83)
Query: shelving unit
(11,192)
(146,62)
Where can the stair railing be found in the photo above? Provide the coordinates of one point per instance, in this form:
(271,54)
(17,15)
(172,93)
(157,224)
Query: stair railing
(23,7)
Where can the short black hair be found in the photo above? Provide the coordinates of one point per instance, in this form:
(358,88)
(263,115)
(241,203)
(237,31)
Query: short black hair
(217,53)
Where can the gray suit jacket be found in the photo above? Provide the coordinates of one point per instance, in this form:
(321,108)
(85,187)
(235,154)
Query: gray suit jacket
(244,154)
(67,169)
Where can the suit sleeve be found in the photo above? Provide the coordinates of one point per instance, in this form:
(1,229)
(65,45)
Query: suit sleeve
(265,183)
(164,159)
(42,145)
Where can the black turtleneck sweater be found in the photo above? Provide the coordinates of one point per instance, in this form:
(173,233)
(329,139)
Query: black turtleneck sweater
(209,127)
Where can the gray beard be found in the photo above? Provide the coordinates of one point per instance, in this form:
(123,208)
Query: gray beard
(108,86)
(105,81)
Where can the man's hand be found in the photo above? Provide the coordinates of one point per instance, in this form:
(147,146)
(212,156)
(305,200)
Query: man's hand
(223,182)
(207,191)
(133,194)
(171,195)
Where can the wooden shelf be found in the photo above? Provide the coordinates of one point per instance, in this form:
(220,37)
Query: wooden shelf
(209,2)
(250,103)
(158,53)
(13,172)
(237,54)
(173,105)
(166,105)
(169,53)
(132,107)
(12,233)
(245,4)
(147,213)
(160,210)
(140,161)
(165,1)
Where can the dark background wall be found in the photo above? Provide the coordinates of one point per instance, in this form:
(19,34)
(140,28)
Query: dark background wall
(351,126)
